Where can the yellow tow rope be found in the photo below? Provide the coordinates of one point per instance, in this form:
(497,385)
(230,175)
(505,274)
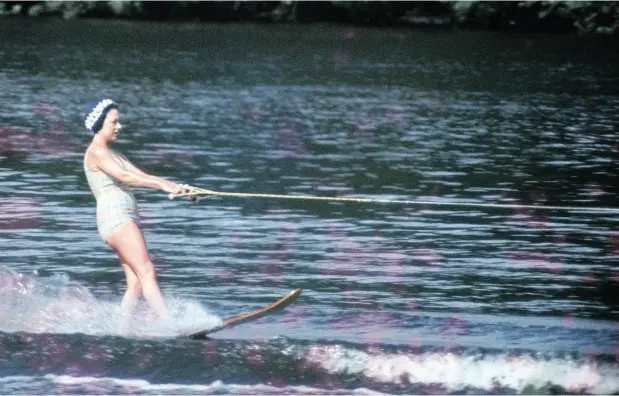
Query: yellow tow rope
(194,192)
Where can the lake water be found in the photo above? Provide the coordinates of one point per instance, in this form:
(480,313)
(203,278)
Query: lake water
(397,298)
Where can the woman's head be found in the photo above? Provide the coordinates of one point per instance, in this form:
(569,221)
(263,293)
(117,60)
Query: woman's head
(102,116)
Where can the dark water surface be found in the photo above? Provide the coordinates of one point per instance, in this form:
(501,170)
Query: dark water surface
(398,298)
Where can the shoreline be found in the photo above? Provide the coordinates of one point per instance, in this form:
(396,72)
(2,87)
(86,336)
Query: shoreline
(562,18)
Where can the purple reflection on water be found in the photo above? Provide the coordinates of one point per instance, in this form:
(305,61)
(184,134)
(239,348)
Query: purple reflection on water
(20,213)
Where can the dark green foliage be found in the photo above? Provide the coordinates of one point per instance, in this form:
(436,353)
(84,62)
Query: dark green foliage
(519,16)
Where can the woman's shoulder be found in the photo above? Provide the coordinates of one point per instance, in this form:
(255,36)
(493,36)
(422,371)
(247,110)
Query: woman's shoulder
(94,154)
(97,150)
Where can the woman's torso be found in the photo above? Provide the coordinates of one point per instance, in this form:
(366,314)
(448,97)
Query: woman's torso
(106,189)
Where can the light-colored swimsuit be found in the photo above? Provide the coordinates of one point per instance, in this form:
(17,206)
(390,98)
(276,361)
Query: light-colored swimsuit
(116,204)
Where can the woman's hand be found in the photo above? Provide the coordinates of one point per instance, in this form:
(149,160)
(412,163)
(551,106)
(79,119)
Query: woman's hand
(174,189)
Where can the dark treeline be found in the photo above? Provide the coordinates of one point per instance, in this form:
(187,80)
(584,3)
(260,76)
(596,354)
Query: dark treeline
(519,16)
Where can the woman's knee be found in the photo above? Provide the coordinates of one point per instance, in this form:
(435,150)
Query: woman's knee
(133,285)
(145,271)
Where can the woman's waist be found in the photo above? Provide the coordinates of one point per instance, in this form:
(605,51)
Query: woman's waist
(111,209)
(114,196)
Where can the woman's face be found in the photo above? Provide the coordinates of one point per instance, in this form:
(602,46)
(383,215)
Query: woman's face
(111,125)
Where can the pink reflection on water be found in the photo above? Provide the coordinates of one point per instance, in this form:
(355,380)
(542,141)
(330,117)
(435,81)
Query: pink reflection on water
(255,355)
(539,221)
(236,240)
(568,320)
(226,275)
(294,318)
(55,124)
(394,265)
(437,99)
(349,257)
(365,126)
(428,256)
(142,358)
(94,362)
(454,326)
(210,353)
(434,389)
(14,139)
(274,272)
(290,140)
(393,262)
(255,113)
(383,324)
(165,157)
(20,213)
(589,278)
(148,219)
(594,190)
(280,256)
(349,34)
(538,197)
(188,160)
(415,345)
(614,243)
(537,260)
(396,115)
(340,59)
(517,211)
(51,353)
(45,109)
(51,140)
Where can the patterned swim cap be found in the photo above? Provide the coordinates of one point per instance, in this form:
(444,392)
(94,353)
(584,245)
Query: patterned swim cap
(96,112)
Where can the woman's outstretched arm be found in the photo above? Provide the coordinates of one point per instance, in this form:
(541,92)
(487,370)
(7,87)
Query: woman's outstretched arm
(105,161)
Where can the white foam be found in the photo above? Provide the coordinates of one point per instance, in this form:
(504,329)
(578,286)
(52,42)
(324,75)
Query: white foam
(214,387)
(34,304)
(456,371)
(15,378)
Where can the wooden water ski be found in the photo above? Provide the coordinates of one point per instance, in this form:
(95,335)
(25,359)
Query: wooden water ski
(276,306)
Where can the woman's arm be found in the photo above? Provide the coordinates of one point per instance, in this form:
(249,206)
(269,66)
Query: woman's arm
(156,179)
(104,160)
(130,165)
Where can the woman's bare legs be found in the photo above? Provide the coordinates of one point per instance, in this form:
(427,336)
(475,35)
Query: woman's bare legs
(129,243)
(134,290)
(130,299)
